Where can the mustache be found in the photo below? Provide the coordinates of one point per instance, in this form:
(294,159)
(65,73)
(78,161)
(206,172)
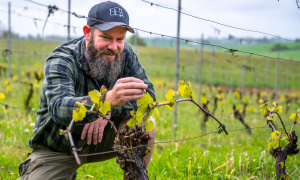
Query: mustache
(108,51)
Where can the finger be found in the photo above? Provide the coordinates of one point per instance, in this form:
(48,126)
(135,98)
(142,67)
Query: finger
(129,92)
(84,131)
(90,133)
(96,130)
(95,134)
(133,85)
(100,134)
(130,79)
(133,97)
(101,130)
(123,99)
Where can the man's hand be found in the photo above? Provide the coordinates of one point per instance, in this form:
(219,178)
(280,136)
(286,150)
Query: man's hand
(125,89)
(94,130)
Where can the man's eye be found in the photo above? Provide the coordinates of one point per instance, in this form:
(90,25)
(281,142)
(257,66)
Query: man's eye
(105,37)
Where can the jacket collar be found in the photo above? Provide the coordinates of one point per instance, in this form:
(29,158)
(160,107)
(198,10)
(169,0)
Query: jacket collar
(81,60)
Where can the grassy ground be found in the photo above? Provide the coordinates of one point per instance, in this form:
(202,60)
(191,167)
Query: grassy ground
(239,155)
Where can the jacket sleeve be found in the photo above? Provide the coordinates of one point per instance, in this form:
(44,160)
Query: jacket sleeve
(59,84)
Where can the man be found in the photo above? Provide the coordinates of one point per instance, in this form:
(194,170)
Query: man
(100,57)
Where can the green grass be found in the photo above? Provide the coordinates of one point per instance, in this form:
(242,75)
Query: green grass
(293,51)
(214,156)
(238,155)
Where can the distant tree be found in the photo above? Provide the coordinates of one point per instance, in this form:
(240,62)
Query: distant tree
(39,37)
(12,35)
(30,37)
(140,41)
(279,47)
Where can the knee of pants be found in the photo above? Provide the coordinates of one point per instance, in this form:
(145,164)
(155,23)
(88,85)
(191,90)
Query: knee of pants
(39,165)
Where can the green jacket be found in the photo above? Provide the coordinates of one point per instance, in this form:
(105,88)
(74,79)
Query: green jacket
(66,81)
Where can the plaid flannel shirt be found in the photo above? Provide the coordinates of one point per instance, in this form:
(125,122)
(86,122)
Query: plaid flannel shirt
(66,81)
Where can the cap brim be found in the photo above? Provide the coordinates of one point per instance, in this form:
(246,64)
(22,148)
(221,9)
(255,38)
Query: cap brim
(110,25)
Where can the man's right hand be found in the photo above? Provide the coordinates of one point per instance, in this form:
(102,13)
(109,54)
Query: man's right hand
(125,89)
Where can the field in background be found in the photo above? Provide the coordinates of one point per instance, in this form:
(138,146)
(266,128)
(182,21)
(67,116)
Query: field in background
(289,50)
(239,155)
(221,69)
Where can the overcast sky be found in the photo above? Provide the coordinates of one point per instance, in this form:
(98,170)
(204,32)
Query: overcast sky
(270,16)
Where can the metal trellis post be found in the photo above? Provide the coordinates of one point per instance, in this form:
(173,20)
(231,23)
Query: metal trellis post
(177,65)
(69,20)
(9,40)
(276,76)
(200,69)
(267,74)
(212,68)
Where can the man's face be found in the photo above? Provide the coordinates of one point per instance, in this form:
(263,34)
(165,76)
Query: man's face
(104,53)
(110,42)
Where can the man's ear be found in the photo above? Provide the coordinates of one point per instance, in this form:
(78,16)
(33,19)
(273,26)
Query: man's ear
(87,32)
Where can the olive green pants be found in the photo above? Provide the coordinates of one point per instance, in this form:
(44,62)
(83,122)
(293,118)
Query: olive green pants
(44,163)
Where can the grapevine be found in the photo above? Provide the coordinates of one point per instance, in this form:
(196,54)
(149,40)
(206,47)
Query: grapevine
(134,133)
(281,145)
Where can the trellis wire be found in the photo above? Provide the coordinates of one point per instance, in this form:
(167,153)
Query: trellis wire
(160,142)
(222,24)
(186,40)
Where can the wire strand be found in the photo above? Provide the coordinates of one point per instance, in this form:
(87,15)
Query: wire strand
(222,24)
(186,40)
(38,19)
(159,142)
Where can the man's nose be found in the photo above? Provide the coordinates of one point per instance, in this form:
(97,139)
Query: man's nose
(113,45)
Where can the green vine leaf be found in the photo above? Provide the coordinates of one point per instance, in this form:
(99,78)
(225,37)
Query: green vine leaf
(140,113)
(170,95)
(203,100)
(156,113)
(105,107)
(270,118)
(284,141)
(293,115)
(237,94)
(95,96)
(79,113)
(185,89)
(170,98)
(2,96)
(147,119)
(145,100)
(274,135)
(144,104)
(131,122)
(149,126)
(274,145)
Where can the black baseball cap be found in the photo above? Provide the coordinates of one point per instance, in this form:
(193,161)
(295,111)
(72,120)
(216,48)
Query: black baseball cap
(107,15)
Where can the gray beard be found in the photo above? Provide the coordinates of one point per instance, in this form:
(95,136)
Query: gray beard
(102,69)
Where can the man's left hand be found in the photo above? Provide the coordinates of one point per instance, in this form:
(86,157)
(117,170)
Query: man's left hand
(94,130)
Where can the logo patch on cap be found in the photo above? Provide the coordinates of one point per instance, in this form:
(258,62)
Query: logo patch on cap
(116,11)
